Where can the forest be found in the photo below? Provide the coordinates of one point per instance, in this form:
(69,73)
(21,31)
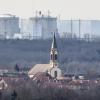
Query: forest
(74,56)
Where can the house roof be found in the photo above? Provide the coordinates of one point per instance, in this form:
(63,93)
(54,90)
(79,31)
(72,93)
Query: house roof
(40,68)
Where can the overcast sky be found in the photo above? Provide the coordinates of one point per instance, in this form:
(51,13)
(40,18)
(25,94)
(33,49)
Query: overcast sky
(83,9)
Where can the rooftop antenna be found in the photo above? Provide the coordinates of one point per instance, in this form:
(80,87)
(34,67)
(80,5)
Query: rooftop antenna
(36,13)
(40,13)
(48,13)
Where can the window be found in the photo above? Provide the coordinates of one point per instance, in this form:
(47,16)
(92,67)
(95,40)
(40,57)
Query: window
(55,56)
(55,74)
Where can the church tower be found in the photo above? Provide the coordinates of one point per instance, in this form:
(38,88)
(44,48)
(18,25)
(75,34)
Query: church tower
(52,68)
(54,53)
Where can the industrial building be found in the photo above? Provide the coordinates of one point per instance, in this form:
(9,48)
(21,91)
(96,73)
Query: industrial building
(79,28)
(9,25)
(43,26)
(39,26)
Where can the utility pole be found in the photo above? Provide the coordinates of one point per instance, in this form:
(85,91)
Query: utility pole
(79,29)
(5,31)
(71,28)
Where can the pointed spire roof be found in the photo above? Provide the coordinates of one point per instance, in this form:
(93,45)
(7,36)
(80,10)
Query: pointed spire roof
(54,44)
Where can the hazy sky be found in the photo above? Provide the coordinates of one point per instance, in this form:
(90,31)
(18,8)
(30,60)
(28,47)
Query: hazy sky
(84,9)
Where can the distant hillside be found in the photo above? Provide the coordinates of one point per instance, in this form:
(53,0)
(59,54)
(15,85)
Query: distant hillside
(74,56)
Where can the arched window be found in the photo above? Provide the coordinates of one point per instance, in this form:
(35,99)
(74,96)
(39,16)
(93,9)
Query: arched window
(55,74)
(55,56)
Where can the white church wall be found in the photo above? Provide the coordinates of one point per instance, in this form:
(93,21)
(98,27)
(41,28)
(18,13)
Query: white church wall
(58,72)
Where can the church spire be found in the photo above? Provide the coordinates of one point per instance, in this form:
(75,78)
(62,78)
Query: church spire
(54,44)
(53,54)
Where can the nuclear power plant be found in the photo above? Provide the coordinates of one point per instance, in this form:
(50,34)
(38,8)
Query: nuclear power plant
(9,25)
(43,26)
(39,26)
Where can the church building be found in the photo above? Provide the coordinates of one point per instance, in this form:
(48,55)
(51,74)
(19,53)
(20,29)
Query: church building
(52,68)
